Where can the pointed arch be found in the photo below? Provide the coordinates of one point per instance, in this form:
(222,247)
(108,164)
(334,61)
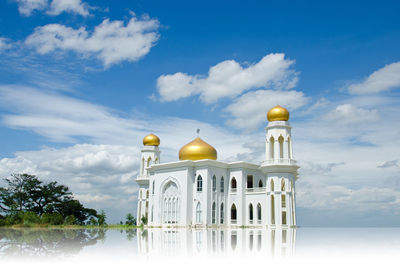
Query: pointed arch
(233,184)
(271,147)
(148,162)
(259,216)
(214,183)
(222,184)
(272,185)
(233,214)
(260,183)
(251,212)
(199,183)
(281,140)
(283,187)
(153,187)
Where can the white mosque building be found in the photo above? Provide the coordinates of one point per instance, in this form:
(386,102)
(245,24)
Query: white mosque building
(200,191)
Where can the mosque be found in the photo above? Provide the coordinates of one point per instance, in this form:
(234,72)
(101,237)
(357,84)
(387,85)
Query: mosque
(200,191)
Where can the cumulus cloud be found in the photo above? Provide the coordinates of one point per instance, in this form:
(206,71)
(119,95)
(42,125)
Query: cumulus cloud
(26,7)
(229,79)
(250,109)
(111,42)
(348,114)
(384,79)
(72,6)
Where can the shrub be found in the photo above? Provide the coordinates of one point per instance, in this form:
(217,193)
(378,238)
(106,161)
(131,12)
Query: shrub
(70,220)
(30,218)
(52,219)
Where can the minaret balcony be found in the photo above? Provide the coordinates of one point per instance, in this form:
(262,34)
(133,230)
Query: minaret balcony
(279,162)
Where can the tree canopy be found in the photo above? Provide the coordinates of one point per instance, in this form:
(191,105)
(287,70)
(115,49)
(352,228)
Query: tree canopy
(26,193)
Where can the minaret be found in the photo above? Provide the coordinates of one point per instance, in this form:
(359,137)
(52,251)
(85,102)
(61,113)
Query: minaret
(280,168)
(150,155)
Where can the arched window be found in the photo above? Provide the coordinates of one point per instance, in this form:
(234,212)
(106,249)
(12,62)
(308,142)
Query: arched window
(233,214)
(153,187)
(272,186)
(233,184)
(281,140)
(214,183)
(213,213)
(251,213)
(259,217)
(170,205)
(272,210)
(221,218)
(147,194)
(271,147)
(148,161)
(198,213)
(283,185)
(260,184)
(222,184)
(199,183)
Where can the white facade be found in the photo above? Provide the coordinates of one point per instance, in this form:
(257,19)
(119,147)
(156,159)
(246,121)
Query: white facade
(210,193)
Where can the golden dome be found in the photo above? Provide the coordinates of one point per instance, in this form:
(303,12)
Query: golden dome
(151,140)
(197,150)
(278,113)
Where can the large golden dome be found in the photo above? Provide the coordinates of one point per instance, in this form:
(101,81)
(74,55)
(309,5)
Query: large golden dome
(151,140)
(197,150)
(278,113)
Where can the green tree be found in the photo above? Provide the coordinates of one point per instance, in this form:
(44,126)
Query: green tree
(49,194)
(101,218)
(130,220)
(26,193)
(17,196)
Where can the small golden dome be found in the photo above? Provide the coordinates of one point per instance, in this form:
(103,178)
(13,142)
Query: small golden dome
(151,140)
(197,150)
(278,113)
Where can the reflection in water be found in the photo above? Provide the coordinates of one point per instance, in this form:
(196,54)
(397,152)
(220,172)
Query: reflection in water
(27,242)
(268,242)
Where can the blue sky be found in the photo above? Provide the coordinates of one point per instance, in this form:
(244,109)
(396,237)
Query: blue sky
(81,82)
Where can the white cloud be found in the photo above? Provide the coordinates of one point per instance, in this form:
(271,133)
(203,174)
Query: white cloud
(100,176)
(26,7)
(56,7)
(348,114)
(72,6)
(111,42)
(229,79)
(381,80)
(4,44)
(250,109)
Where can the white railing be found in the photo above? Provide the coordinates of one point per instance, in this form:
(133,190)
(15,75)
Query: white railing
(257,189)
(280,161)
